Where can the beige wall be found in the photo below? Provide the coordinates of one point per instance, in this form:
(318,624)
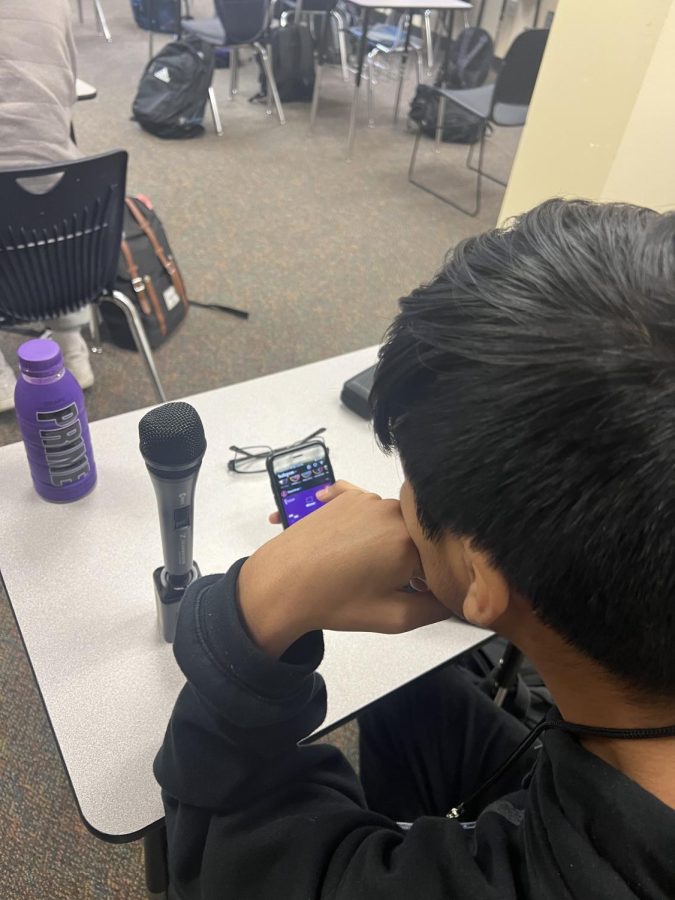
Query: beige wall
(601,123)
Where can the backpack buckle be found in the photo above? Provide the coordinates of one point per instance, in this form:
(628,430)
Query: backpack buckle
(138,285)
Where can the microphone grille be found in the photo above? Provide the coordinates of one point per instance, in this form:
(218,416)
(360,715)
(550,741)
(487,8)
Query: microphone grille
(172,435)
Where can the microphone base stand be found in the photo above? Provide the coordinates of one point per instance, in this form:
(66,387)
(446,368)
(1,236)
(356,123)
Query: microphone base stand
(168,598)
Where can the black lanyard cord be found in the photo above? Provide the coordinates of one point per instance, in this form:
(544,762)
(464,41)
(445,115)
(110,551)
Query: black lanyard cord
(570,728)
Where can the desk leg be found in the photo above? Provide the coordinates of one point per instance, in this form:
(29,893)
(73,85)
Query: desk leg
(156,870)
(357,84)
(404,61)
(101,24)
(321,55)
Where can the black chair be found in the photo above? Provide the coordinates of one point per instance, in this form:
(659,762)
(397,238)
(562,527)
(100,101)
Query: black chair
(60,231)
(503,103)
(240,23)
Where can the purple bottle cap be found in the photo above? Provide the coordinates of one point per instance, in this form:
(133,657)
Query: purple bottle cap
(40,358)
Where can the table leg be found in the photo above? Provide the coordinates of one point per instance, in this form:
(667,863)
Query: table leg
(321,55)
(101,24)
(448,44)
(536,14)
(404,60)
(156,869)
(357,83)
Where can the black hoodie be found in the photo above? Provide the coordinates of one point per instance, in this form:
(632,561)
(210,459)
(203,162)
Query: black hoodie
(253,816)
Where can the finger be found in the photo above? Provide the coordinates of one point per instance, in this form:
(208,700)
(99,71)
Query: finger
(331,491)
(274,518)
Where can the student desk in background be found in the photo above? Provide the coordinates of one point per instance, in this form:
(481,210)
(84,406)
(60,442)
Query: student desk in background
(79,578)
(404,6)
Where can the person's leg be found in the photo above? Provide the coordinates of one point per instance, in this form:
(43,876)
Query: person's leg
(429,745)
(67,333)
(7,383)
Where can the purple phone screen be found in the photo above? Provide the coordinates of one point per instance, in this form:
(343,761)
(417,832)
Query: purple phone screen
(298,486)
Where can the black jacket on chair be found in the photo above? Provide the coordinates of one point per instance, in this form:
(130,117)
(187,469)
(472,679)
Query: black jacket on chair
(252,816)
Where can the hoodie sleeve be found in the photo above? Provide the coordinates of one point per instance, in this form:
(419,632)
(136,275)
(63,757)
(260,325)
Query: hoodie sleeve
(252,815)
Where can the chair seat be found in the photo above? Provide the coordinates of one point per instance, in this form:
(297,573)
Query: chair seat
(209,30)
(385,37)
(478,100)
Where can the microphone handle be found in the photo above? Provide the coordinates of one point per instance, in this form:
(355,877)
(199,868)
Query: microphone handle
(175,503)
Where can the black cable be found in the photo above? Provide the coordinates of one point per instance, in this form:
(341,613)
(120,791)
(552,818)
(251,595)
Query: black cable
(240,313)
(571,728)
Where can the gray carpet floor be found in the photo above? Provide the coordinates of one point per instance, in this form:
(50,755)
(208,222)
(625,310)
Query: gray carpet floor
(267,218)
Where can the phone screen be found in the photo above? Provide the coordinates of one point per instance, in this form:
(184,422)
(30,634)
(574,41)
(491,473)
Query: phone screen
(298,474)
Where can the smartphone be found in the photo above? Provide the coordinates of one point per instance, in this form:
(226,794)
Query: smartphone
(297,473)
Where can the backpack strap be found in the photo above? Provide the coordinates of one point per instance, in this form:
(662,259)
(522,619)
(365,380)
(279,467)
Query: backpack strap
(167,261)
(139,285)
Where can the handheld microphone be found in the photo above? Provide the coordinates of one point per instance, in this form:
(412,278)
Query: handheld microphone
(172,443)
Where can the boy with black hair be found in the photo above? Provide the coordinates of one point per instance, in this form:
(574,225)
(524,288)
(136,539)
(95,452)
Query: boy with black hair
(530,391)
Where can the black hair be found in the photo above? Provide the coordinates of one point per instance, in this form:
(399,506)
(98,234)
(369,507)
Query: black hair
(530,391)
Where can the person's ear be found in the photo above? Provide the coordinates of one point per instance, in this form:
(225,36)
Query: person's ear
(488,596)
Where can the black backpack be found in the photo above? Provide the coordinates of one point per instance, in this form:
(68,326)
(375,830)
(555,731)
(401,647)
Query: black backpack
(173,89)
(157,15)
(459,125)
(292,50)
(469,62)
(149,276)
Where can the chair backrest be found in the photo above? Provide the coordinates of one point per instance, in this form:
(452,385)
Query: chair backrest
(518,74)
(244,21)
(317,6)
(59,249)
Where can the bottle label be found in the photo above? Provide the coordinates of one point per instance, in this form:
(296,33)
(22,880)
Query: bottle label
(65,450)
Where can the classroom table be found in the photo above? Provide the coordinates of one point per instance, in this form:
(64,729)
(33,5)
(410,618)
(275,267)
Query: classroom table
(367,7)
(79,579)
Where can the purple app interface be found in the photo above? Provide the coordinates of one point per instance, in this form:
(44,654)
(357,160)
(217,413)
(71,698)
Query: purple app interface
(298,486)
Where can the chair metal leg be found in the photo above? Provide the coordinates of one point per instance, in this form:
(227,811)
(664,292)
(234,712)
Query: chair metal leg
(215,115)
(234,72)
(467,211)
(419,69)
(134,322)
(94,329)
(404,61)
(482,171)
(365,21)
(272,92)
(428,40)
(440,119)
(369,92)
(101,23)
(315,96)
(341,27)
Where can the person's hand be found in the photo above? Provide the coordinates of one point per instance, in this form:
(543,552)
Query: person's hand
(345,567)
(325,495)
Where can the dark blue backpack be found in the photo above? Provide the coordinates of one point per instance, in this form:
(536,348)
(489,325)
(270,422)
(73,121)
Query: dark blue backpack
(157,15)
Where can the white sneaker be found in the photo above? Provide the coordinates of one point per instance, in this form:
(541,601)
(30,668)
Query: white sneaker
(75,356)
(7,384)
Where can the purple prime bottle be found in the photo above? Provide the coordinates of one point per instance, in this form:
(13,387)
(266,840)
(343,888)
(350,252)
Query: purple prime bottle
(53,421)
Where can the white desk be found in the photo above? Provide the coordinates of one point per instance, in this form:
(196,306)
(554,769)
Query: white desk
(79,577)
